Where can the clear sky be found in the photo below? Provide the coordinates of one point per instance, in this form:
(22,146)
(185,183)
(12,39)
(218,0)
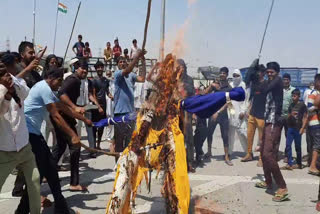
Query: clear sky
(218,32)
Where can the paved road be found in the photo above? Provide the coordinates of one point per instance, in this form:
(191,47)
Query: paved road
(231,188)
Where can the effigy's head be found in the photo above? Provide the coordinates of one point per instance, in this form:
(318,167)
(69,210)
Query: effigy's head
(166,91)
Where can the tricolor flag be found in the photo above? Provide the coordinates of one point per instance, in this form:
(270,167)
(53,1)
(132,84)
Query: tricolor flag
(62,8)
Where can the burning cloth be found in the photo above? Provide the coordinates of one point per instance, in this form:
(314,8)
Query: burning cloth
(158,142)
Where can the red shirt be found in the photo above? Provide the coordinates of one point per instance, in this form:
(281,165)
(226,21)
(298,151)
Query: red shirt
(117,51)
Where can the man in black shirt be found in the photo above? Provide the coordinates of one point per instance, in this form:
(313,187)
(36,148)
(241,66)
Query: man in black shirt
(256,116)
(221,118)
(272,133)
(101,90)
(69,93)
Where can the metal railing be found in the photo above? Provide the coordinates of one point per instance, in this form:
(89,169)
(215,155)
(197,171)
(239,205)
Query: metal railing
(111,65)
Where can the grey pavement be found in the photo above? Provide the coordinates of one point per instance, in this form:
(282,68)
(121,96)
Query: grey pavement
(230,188)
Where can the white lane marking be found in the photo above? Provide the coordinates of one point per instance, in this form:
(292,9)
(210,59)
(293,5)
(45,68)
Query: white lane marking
(7,196)
(217,182)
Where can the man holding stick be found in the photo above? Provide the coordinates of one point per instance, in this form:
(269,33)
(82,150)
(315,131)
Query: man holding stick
(68,94)
(124,98)
(41,101)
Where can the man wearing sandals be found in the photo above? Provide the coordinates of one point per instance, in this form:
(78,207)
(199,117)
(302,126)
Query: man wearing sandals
(272,133)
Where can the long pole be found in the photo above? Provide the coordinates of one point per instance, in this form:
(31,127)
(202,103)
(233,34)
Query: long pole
(146,25)
(162,29)
(265,30)
(55,30)
(74,23)
(34,23)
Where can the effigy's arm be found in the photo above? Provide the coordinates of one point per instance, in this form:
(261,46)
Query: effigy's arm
(206,105)
(114,120)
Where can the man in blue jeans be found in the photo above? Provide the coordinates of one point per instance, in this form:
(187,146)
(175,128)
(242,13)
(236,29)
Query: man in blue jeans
(124,80)
(297,122)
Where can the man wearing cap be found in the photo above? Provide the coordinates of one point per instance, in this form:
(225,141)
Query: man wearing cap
(272,133)
(68,94)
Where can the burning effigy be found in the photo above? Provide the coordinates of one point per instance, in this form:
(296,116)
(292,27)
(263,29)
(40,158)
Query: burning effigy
(158,142)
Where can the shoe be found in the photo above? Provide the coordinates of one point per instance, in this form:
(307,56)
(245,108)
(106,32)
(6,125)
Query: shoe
(61,169)
(248,157)
(191,169)
(297,166)
(93,155)
(207,155)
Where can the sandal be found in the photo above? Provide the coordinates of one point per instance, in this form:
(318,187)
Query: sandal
(287,167)
(262,185)
(280,197)
(79,188)
(314,173)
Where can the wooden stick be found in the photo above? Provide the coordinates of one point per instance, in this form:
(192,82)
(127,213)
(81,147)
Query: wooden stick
(146,25)
(115,154)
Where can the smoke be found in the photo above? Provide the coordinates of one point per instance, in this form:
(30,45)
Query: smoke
(179,44)
(191,2)
(175,39)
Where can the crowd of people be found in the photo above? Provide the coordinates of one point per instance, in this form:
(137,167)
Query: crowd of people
(110,55)
(33,105)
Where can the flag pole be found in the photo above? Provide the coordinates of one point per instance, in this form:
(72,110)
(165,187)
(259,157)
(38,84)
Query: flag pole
(74,23)
(34,23)
(55,31)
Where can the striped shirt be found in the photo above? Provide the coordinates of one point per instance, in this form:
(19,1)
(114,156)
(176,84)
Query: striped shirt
(313,111)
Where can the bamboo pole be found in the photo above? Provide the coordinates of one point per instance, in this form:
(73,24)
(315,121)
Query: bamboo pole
(146,25)
(74,23)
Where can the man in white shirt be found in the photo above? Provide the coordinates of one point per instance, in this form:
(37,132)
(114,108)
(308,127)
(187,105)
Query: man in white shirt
(15,150)
(134,49)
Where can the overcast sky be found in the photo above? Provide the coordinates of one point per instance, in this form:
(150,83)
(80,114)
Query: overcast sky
(214,32)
